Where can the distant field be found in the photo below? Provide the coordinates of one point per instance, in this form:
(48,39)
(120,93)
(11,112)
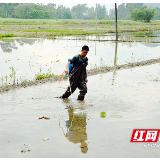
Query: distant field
(13,21)
(50,28)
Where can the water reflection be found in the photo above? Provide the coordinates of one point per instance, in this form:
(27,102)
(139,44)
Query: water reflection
(7,45)
(146,36)
(115,57)
(95,46)
(29,55)
(76,126)
(115,62)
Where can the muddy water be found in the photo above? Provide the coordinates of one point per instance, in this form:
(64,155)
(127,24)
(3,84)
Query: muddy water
(78,130)
(28,55)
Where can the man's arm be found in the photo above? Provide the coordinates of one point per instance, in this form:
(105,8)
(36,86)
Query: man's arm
(67,67)
(73,60)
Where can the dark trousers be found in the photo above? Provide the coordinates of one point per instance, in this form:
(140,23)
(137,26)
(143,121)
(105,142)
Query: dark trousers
(77,80)
(83,90)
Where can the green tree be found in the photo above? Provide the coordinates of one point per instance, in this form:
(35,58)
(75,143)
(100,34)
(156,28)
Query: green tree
(63,13)
(157,17)
(67,14)
(130,7)
(112,13)
(7,9)
(143,14)
(79,11)
(23,11)
(101,11)
(122,11)
(90,13)
(51,8)
(32,11)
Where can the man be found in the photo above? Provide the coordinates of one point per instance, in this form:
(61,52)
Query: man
(77,75)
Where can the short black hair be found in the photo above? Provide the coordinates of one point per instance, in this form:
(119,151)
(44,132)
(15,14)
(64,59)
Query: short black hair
(85,48)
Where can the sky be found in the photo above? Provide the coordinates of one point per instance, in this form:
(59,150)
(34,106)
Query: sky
(70,5)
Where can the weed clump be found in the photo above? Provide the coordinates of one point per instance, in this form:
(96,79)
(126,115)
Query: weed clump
(40,75)
(43,76)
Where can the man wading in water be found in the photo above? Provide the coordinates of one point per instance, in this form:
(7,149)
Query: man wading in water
(77,75)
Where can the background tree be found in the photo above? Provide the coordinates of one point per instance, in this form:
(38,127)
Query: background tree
(67,14)
(143,14)
(101,11)
(23,11)
(122,11)
(157,17)
(112,13)
(79,11)
(51,8)
(90,13)
(63,13)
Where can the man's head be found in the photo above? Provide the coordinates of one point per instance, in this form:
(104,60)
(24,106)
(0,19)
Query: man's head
(85,50)
(84,147)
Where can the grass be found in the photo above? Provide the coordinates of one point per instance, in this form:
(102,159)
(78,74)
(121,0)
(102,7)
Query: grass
(7,35)
(14,21)
(43,76)
(65,32)
(50,27)
(144,34)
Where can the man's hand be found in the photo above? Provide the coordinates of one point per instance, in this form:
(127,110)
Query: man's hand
(67,72)
(86,80)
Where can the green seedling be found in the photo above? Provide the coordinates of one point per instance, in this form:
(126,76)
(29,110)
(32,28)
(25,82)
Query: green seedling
(6,77)
(13,74)
(155,80)
(40,70)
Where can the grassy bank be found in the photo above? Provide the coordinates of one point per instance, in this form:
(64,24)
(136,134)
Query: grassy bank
(65,32)
(14,21)
(50,28)
(7,35)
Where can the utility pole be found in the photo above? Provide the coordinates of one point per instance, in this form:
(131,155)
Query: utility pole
(96,16)
(116,21)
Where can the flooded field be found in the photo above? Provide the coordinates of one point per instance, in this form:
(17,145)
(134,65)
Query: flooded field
(71,128)
(29,56)
(129,97)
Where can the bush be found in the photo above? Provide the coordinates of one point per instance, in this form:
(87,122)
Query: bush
(100,18)
(3,16)
(143,14)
